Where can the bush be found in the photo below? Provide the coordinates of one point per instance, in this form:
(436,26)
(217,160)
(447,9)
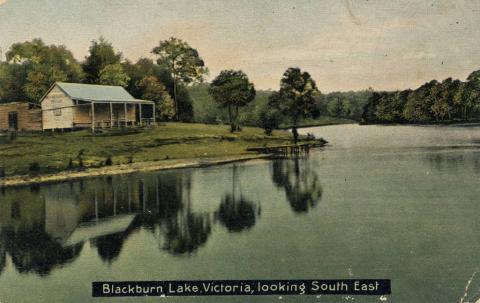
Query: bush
(34,167)
(80,159)
(269,120)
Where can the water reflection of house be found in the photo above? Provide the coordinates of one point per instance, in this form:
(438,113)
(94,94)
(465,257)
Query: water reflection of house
(46,226)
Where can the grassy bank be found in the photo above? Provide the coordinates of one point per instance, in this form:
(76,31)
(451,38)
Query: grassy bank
(51,153)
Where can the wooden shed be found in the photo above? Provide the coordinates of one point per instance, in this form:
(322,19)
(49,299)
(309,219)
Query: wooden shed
(20,116)
(74,105)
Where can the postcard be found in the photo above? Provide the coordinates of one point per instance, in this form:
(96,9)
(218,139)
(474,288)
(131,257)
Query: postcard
(239,151)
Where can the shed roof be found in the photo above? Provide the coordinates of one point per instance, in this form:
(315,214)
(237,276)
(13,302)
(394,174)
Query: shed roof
(97,93)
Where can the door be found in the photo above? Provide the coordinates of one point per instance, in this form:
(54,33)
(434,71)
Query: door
(13,121)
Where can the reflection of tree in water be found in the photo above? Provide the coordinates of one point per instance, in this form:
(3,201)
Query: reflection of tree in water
(235,212)
(109,246)
(301,184)
(444,160)
(451,159)
(186,232)
(168,215)
(28,256)
(47,227)
(3,255)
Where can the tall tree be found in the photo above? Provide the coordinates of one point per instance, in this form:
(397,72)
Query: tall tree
(231,89)
(296,97)
(183,62)
(32,67)
(101,54)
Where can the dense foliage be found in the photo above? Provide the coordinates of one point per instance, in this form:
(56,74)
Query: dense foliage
(296,99)
(231,89)
(449,100)
(32,67)
(184,64)
(348,105)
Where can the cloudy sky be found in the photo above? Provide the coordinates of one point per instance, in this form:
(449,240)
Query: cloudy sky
(345,45)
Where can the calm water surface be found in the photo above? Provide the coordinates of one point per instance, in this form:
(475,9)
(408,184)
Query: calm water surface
(395,202)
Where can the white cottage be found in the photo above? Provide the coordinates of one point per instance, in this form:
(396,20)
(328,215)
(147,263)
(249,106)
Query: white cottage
(74,105)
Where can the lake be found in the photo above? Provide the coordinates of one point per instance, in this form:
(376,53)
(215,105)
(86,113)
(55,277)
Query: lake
(393,202)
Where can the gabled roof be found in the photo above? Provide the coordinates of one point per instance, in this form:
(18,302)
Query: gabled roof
(95,93)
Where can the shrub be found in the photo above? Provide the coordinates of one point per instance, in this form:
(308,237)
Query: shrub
(80,159)
(269,120)
(34,167)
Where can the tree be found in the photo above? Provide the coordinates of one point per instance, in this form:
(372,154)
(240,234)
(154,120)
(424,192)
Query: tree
(336,108)
(101,54)
(183,62)
(296,97)
(231,89)
(145,67)
(32,67)
(472,98)
(269,119)
(154,90)
(113,74)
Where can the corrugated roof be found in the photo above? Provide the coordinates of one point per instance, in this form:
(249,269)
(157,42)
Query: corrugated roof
(93,92)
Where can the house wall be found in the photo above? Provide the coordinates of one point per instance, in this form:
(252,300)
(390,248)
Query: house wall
(63,116)
(28,119)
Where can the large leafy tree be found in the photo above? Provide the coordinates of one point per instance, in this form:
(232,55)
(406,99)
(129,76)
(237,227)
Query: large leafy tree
(101,54)
(183,62)
(113,74)
(32,67)
(231,89)
(296,97)
(154,90)
(145,67)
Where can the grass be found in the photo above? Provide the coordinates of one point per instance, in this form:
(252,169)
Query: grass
(322,121)
(52,151)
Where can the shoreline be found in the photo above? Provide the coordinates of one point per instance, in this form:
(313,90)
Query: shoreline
(149,166)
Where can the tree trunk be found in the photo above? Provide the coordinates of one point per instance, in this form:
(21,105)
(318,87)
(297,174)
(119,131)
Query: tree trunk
(175,96)
(174,72)
(237,126)
(295,132)
(232,126)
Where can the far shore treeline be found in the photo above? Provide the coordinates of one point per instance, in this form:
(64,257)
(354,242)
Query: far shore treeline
(176,82)
(446,101)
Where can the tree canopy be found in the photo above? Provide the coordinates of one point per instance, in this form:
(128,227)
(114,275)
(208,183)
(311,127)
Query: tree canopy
(32,67)
(296,98)
(113,74)
(182,61)
(231,89)
(449,100)
(101,54)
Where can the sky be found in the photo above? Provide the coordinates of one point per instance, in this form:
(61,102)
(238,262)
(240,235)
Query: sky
(344,44)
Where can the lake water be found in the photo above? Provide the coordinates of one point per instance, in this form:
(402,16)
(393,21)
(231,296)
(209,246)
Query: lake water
(394,202)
